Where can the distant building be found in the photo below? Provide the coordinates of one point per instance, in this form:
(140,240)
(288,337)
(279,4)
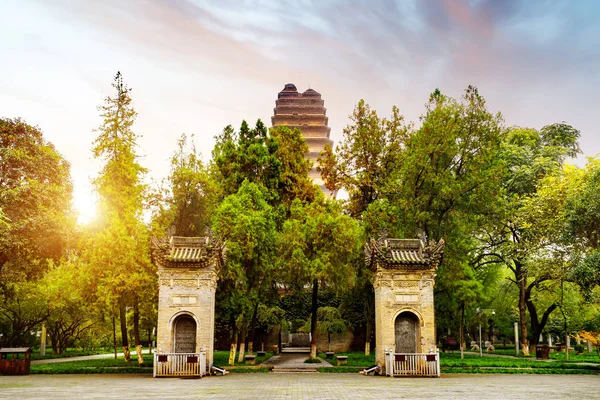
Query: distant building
(306,112)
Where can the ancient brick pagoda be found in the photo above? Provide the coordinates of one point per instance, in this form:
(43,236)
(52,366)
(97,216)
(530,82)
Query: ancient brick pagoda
(403,279)
(187,278)
(306,112)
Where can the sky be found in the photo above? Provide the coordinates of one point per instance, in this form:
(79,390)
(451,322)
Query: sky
(196,66)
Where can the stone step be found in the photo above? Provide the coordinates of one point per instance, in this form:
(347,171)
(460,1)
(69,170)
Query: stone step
(296,350)
(294,370)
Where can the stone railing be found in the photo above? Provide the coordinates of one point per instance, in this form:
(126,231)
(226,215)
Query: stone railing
(179,364)
(412,364)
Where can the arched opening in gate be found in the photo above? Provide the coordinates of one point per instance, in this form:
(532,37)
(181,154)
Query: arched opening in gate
(406,332)
(184,335)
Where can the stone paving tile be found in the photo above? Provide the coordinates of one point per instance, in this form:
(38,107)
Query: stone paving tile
(300,386)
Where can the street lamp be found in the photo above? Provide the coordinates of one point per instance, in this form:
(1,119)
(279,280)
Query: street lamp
(479,311)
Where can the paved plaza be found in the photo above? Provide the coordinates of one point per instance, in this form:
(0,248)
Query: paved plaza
(300,386)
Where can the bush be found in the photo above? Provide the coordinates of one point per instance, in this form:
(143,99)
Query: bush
(579,348)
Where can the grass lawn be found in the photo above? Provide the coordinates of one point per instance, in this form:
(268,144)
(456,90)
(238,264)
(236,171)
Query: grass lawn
(509,350)
(221,358)
(451,363)
(357,361)
(472,363)
(100,366)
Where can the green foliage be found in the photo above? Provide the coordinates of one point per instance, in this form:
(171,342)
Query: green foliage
(188,198)
(69,317)
(312,361)
(450,171)
(318,242)
(274,160)
(363,162)
(36,226)
(117,251)
(247,225)
(245,155)
(23,309)
(587,273)
(329,322)
(35,202)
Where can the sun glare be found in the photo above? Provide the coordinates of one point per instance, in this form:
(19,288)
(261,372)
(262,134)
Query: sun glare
(85,204)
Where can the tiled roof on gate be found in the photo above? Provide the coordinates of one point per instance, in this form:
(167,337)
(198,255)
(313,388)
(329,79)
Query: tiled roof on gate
(403,254)
(192,252)
(187,248)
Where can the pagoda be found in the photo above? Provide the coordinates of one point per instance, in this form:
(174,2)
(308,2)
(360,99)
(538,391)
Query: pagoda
(306,112)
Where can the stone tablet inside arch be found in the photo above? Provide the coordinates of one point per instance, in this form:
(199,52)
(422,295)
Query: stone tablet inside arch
(406,333)
(185,335)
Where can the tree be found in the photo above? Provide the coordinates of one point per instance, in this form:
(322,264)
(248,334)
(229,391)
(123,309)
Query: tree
(245,155)
(247,225)
(317,246)
(35,197)
(273,164)
(329,321)
(68,314)
(583,222)
(366,158)
(273,159)
(362,164)
(188,198)
(118,253)
(36,223)
(447,187)
(529,156)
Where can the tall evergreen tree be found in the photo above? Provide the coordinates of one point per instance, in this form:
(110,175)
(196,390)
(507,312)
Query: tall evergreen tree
(118,252)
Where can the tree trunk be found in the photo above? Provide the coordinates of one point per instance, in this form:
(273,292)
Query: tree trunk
(233,338)
(369,307)
(232,350)
(136,331)
(243,332)
(537,326)
(313,320)
(461,328)
(123,322)
(114,332)
(149,341)
(252,335)
(521,275)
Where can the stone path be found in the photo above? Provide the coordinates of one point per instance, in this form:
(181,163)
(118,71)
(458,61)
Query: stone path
(79,358)
(300,386)
(288,362)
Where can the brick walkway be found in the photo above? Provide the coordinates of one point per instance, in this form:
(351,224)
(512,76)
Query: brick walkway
(300,386)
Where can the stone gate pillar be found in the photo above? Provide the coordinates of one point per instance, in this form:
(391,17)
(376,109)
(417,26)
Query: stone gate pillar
(187,278)
(404,277)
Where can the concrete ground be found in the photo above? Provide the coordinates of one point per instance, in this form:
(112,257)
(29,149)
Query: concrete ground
(300,386)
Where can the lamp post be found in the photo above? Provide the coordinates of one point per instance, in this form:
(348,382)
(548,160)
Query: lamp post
(480,311)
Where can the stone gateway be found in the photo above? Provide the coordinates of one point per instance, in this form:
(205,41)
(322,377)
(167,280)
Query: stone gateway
(404,272)
(187,277)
